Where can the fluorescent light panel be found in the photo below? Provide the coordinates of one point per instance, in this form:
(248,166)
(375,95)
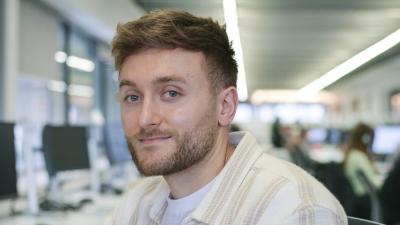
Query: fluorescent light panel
(73,89)
(232,28)
(57,86)
(80,90)
(74,61)
(351,64)
(290,96)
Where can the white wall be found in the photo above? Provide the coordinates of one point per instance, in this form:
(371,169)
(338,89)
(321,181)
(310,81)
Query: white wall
(40,33)
(99,17)
(9,64)
(39,40)
(371,89)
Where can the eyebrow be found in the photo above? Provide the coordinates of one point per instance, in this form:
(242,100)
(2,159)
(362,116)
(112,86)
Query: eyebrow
(126,83)
(157,81)
(169,79)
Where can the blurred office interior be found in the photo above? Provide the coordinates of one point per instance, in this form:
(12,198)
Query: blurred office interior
(310,71)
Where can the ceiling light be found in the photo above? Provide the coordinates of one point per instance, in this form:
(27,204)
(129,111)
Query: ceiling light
(74,61)
(60,57)
(290,96)
(80,63)
(57,86)
(351,64)
(232,30)
(80,90)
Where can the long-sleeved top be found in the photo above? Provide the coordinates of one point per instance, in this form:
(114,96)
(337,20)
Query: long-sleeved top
(253,188)
(358,161)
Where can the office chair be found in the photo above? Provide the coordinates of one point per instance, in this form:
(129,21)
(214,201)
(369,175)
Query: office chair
(65,148)
(331,174)
(117,152)
(376,211)
(359,221)
(8,172)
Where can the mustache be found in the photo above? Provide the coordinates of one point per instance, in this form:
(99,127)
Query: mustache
(146,133)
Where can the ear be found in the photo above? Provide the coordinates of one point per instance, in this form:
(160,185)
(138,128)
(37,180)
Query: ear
(228,101)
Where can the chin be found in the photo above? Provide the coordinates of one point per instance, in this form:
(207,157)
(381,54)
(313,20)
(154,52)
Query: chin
(153,165)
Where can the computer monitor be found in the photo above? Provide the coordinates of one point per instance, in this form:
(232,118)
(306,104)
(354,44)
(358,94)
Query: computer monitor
(8,172)
(336,136)
(317,135)
(386,140)
(65,148)
(116,147)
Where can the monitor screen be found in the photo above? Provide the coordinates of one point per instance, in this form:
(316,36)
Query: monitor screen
(386,139)
(336,136)
(65,148)
(317,135)
(8,173)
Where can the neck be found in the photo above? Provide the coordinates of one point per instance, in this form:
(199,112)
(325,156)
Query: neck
(198,175)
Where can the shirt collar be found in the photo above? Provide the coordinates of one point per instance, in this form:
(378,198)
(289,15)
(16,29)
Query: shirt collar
(160,201)
(225,184)
(229,179)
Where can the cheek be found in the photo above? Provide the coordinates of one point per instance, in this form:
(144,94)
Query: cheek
(128,121)
(189,116)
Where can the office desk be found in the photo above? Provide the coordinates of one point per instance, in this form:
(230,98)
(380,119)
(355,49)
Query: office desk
(92,213)
(326,154)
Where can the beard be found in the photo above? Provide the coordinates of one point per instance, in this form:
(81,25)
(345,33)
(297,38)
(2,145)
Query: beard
(191,147)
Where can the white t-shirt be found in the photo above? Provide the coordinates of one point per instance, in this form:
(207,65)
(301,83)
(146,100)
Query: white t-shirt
(178,209)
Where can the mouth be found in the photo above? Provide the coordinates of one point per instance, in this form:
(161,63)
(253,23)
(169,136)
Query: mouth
(154,140)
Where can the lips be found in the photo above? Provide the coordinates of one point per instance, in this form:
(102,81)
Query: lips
(153,140)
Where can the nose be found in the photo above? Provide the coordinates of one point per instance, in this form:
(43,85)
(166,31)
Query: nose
(149,115)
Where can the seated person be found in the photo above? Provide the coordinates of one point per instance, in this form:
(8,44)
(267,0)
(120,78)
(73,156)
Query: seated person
(359,158)
(390,197)
(299,148)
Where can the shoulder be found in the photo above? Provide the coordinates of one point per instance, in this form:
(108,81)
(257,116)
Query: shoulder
(356,157)
(355,154)
(291,191)
(271,167)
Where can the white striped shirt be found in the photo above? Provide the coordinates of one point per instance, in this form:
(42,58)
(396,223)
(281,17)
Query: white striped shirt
(253,188)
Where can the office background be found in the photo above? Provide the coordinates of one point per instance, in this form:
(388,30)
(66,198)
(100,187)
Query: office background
(56,70)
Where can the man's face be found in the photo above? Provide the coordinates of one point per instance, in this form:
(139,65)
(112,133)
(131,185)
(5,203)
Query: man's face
(167,110)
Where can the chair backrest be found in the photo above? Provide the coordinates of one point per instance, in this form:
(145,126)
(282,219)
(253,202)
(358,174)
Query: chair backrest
(8,172)
(65,148)
(376,212)
(331,174)
(359,221)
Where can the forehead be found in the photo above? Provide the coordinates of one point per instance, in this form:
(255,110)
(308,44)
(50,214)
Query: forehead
(155,63)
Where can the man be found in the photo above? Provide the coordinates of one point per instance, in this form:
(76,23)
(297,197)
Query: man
(177,78)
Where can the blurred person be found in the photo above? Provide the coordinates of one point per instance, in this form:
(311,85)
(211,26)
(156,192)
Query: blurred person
(389,195)
(277,137)
(177,78)
(299,148)
(359,158)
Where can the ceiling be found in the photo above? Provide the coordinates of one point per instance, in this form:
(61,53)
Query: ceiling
(289,43)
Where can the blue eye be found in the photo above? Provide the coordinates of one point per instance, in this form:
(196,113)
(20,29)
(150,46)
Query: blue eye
(131,98)
(172,93)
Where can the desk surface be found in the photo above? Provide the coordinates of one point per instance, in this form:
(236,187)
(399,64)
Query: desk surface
(93,213)
(325,154)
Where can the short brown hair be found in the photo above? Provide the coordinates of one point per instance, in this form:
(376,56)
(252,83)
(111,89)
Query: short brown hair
(165,29)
